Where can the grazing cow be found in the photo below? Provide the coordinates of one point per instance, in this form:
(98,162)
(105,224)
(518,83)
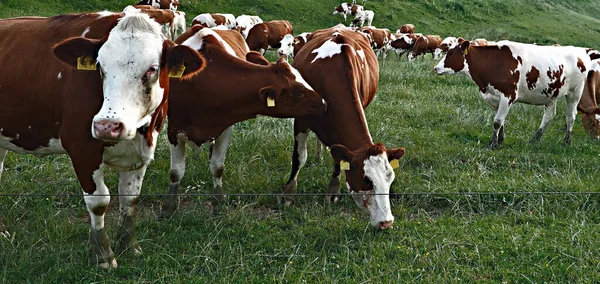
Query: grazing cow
(362,17)
(291,45)
(447,44)
(346,9)
(346,59)
(269,34)
(110,115)
(406,29)
(425,44)
(588,104)
(380,39)
(203,108)
(245,22)
(172,5)
(212,20)
(165,18)
(510,72)
(404,42)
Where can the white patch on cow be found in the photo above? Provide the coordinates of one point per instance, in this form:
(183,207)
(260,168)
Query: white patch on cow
(376,202)
(59,76)
(361,54)
(441,68)
(132,47)
(217,159)
(87,30)
(302,149)
(54,146)
(299,77)
(205,19)
(327,49)
(287,45)
(197,41)
(100,198)
(304,36)
(105,13)
(335,34)
(130,154)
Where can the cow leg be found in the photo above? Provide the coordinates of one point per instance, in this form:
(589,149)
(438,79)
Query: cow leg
(333,191)
(319,148)
(549,113)
(217,163)
(298,161)
(571,113)
(501,113)
(3,153)
(171,202)
(97,203)
(130,185)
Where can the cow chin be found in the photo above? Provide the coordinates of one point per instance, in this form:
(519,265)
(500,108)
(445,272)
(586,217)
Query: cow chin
(378,207)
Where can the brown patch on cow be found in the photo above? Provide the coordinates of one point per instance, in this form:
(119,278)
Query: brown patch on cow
(100,210)
(520,60)
(532,76)
(581,65)
(555,82)
(219,172)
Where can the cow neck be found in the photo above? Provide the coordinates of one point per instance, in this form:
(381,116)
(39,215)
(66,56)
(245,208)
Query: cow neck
(588,103)
(160,113)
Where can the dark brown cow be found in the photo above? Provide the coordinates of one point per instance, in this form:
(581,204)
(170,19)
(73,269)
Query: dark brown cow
(204,108)
(380,39)
(510,72)
(268,34)
(346,59)
(425,44)
(212,20)
(109,115)
(162,4)
(402,43)
(588,104)
(406,29)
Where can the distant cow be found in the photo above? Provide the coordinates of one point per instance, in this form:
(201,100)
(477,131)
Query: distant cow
(212,20)
(588,104)
(268,34)
(166,18)
(347,61)
(178,26)
(172,5)
(362,17)
(423,45)
(512,72)
(346,9)
(403,43)
(447,44)
(245,22)
(103,105)
(406,29)
(203,108)
(380,39)
(290,45)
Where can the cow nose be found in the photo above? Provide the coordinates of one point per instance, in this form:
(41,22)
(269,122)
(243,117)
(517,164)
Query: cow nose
(108,130)
(384,225)
(437,69)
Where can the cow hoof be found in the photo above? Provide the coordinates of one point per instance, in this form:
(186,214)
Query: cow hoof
(105,265)
(137,251)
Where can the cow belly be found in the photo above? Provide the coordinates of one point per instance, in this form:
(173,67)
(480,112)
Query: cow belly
(54,146)
(128,155)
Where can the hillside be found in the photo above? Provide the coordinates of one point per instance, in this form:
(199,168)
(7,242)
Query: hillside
(541,21)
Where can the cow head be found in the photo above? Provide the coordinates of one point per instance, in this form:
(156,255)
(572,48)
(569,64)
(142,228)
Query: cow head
(133,62)
(455,60)
(591,123)
(369,176)
(287,45)
(446,45)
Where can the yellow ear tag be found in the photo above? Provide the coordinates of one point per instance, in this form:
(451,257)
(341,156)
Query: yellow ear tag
(345,166)
(86,63)
(466,51)
(579,112)
(177,71)
(270,102)
(394,163)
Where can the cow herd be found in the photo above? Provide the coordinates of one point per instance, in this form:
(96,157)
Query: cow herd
(107,82)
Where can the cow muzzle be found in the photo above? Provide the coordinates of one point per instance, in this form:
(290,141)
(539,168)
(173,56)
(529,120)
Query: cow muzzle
(384,225)
(108,130)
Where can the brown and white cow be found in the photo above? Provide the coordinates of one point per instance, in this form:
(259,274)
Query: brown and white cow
(348,62)
(290,45)
(447,44)
(346,9)
(403,43)
(269,34)
(212,20)
(204,108)
(107,116)
(380,39)
(510,72)
(423,45)
(588,104)
(161,4)
(164,17)
(244,23)
(363,17)
(406,29)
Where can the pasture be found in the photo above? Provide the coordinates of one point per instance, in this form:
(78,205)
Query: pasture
(521,213)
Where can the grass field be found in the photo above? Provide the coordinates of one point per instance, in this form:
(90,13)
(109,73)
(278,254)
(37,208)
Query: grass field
(463,213)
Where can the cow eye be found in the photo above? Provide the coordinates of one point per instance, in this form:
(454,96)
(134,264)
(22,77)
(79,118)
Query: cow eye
(367,184)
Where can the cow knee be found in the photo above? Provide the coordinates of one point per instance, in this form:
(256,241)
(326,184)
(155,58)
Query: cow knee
(497,124)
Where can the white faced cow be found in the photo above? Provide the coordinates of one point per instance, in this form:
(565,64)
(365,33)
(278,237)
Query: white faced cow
(245,22)
(447,44)
(510,72)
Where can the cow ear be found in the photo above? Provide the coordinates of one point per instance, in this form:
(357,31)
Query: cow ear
(465,45)
(341,156)
(269,95)
(78,52)
(394,156)
(460,40)
(256,58)
(181,61)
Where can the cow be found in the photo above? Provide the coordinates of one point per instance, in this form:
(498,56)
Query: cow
(425,44)
(212,20)
(346,9)
(172,5)
(380,39)
(402,43)
(164,17)
(346,59)
(362,17)
(447,44)
(510,72)
(406,29)
(245,22)
(291,45)
(588,104)
(98,94)
(236,90)
(269,34)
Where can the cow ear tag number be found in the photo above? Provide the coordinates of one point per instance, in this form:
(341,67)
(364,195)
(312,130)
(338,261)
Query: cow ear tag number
(86,63)
(394,163)
(344,165)
(270,102)
(177,71)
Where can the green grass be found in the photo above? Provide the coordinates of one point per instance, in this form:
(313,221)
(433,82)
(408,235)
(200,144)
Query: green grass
(490,235)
